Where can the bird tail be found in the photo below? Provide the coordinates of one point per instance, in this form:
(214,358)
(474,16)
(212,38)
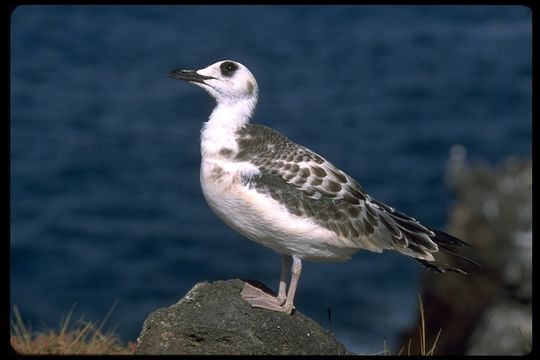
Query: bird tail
(446,243)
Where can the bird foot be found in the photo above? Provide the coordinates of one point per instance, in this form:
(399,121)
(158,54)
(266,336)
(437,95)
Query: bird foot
(260,299)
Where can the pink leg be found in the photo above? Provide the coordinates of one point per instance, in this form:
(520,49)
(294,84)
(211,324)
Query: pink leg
(286,261)
(258,298)
(296,271)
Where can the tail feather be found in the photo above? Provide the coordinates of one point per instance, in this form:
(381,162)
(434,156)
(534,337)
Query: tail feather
(446,242)
(447,250)
(443,238)
(439,267)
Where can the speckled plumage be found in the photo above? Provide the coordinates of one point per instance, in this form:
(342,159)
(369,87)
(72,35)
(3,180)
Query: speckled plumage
(287,197)
(311,186)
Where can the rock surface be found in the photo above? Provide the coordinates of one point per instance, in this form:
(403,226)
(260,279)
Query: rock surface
(212,318)
(488,312)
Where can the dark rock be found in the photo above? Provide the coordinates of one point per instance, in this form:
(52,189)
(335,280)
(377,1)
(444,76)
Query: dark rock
(212,318)
(488,311)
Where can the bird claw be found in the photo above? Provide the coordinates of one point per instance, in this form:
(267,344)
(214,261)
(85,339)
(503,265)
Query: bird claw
(260,299)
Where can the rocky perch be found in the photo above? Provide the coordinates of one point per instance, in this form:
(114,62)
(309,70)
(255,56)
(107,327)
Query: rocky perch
(212,318)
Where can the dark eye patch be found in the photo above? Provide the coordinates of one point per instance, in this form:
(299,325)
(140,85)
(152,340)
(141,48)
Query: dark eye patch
(228,68)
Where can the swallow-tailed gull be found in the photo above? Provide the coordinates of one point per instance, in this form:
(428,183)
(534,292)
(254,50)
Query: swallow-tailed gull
(289,198)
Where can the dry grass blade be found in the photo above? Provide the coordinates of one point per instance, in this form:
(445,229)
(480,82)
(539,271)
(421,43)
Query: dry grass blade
(422,327)
(527,346)
(20,330)
(64,323)
(421,336)
(432,350)
(83,337)
(422,333)
(384,351)
(403,348)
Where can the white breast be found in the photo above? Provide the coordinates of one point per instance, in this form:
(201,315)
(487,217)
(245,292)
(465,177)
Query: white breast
(261,218)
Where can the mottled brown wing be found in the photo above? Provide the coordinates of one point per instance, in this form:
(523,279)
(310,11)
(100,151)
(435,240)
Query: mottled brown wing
(309,185)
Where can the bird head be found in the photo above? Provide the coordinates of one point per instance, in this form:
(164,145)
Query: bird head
(226,81)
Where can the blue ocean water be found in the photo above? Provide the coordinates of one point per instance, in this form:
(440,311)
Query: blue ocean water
(105,199)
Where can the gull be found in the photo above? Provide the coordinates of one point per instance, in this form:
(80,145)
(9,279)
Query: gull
(289,198)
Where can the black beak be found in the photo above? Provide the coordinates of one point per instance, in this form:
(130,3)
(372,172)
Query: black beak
(188,75)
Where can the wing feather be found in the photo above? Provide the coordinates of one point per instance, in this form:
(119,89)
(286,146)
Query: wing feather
(310,185)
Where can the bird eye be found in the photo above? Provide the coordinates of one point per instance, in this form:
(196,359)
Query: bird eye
(228,68)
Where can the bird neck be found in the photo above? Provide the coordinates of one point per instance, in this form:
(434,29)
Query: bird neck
(233,114)
(219,132)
